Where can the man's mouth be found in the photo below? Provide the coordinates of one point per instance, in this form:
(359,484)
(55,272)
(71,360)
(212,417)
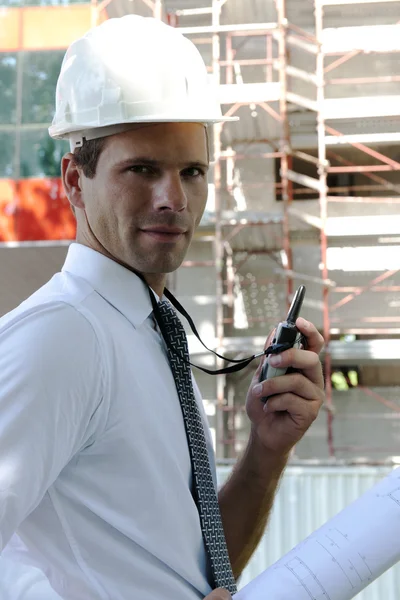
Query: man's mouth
(164,234)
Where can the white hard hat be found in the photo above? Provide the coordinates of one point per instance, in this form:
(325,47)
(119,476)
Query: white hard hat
(131,70)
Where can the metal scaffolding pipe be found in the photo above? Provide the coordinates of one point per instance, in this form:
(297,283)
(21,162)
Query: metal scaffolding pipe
(185,12)
(349,289)
(323,203)
(285,142)
(365,199)
(246,62)
(218,241)
(363,169)
(236,29)
(361,80)
(361,290)
(377,178)
(343,2)
(373,153)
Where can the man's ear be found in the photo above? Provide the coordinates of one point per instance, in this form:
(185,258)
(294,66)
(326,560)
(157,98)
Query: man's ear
(72,180)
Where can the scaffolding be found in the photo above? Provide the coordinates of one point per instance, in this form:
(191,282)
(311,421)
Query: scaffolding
(275,96)
(359,40)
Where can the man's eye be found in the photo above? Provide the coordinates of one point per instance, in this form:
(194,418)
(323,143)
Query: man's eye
(140,169)
(194,172)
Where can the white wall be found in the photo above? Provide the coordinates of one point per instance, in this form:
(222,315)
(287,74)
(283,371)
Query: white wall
(307,498)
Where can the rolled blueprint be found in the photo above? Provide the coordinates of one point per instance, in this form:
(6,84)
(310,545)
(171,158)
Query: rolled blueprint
(342,557)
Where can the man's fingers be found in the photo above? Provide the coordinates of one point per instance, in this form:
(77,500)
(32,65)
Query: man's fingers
(219,594)
(315,341)
(295,383)
(305,361)
(301,411)
(299,359)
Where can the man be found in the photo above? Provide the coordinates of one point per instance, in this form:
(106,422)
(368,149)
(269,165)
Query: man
(105,473)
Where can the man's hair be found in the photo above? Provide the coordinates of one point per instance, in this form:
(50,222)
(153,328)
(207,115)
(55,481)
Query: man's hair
(87,156)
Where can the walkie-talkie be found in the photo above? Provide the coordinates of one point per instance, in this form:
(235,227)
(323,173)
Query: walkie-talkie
(286,336)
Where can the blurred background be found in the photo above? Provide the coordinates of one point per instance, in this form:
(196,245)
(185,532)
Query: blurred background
(304,189)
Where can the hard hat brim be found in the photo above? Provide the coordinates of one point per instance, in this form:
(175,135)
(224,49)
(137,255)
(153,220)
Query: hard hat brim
(90,133)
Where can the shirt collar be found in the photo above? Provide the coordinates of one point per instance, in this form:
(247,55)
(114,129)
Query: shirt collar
(115,283)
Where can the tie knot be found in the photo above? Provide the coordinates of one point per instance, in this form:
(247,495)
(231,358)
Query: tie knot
(173,333)
(164,305)
(166,310)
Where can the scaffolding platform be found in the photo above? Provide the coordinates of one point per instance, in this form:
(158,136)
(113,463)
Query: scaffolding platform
(348,2)
(361,107)
(363,38)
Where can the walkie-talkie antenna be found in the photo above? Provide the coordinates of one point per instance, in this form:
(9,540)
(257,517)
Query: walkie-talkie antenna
(295,307)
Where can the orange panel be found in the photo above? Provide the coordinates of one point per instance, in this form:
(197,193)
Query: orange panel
(43,211)
(103,16)
(54,26)
(7,210)
(9,29)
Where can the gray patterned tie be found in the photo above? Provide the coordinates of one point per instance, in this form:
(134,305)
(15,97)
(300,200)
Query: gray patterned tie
(203,485)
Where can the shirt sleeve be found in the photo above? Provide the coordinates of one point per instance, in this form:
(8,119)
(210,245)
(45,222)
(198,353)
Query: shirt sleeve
(51,403)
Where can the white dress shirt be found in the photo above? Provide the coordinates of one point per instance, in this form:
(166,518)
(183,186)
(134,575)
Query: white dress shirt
(21,582)
(95,473)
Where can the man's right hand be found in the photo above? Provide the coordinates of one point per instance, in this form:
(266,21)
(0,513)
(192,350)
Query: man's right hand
(219,594)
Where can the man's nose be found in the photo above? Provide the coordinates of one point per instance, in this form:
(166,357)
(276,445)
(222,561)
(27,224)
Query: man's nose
(170,193)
